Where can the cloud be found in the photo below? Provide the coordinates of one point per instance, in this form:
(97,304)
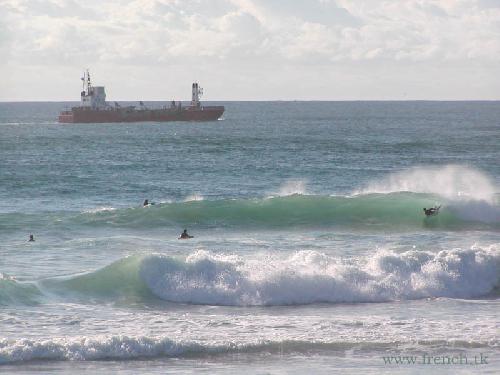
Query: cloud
(347,30)
(52,8)
(244,36)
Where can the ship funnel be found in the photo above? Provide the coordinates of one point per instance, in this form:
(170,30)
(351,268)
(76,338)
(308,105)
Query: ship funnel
(196,93)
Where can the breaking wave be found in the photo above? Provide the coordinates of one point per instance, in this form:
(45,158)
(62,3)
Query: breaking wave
(306,277)
(467,197)
(399,210)
(129,348)
(13,292)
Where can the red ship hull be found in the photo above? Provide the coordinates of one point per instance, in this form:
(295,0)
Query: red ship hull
(130,114)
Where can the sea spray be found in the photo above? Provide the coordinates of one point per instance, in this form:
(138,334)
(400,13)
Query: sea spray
(452,182)
(194,198)
(292,187)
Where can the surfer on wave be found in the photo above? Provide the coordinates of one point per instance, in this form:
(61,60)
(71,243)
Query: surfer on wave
(431,211)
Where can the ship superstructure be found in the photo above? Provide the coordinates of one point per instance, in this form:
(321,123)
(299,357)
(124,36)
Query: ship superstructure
(94,108)
(92,97)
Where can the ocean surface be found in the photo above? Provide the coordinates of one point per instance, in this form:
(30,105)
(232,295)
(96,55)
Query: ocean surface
(311,252)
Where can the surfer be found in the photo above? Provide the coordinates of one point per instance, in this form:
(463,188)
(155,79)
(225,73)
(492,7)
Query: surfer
(32,238)
(431,211)
(146,203)
(184,235)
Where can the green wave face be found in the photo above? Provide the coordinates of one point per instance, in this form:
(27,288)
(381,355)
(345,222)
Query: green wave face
(119,280)
(371,210)
(13,292)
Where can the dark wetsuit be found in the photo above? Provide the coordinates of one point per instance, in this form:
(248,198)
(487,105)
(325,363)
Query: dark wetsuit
(185,236)
(431,211)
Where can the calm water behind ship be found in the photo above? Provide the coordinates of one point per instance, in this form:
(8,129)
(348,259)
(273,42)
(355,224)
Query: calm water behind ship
(311,250)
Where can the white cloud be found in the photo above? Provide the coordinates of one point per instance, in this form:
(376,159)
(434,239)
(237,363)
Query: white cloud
(250,37)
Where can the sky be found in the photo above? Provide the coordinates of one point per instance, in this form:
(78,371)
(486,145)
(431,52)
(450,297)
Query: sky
(252,49)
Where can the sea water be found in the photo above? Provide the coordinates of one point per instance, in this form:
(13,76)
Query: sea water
(311,251)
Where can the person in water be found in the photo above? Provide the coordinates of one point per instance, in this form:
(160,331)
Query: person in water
(146,202)
(431,211)
(185,235)
(32,238)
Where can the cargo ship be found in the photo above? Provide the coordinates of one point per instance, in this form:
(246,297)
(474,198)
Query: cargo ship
(94,108)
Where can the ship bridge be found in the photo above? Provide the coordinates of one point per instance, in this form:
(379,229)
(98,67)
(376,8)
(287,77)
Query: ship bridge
(92,96)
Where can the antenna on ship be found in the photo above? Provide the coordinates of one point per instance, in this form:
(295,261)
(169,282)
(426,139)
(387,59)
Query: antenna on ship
(89,84)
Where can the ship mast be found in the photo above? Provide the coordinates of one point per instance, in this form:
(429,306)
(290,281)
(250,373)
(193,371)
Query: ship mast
(89,85)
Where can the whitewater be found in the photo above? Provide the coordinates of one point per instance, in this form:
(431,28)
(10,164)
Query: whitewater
(311,250)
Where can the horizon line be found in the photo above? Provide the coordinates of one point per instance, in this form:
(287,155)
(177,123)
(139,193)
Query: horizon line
(263,100)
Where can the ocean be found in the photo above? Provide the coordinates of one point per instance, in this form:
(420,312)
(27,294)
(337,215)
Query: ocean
(311,251)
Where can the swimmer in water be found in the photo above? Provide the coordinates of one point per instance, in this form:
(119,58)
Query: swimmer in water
(184,235)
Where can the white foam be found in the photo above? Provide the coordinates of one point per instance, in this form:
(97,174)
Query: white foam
(99,209)
(5,277)
(194,198)
(128,348)
(167,201)
(116,347)
(454,182)
(313,277)
(291,187)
